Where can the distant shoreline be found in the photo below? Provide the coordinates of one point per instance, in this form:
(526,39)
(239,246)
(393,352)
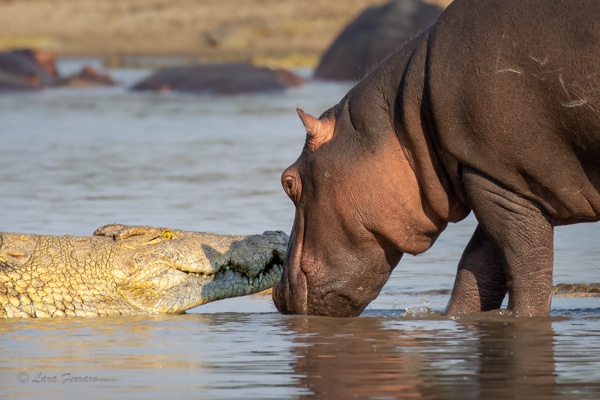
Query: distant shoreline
(283,33)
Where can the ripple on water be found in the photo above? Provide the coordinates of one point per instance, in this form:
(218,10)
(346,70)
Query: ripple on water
(71,161)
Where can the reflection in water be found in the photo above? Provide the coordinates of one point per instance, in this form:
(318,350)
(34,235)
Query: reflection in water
(354,358)
(267,355)
(516,359)
(381,358)
(71,161)
(202,356)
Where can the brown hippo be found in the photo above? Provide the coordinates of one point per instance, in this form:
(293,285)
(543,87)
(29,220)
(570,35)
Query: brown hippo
(495,109)
(373,36)
(34,69)
(88,77)
(27,69)
(219,78)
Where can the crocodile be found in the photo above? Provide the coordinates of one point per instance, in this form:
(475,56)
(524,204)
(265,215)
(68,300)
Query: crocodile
(129,270)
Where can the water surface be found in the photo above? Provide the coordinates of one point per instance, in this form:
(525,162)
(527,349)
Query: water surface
(73,160)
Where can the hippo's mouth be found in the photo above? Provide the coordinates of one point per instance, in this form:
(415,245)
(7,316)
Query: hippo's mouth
(290,294)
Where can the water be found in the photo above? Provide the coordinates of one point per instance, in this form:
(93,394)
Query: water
(73,160)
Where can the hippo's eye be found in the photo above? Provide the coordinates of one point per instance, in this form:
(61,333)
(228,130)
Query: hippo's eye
(291,187)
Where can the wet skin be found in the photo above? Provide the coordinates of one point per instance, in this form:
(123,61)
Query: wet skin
(480,113)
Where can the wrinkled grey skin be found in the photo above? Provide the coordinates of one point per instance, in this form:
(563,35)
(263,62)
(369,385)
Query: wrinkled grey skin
(128,270)
(494,110)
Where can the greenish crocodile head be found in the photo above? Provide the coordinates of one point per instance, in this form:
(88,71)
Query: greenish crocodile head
(170,271)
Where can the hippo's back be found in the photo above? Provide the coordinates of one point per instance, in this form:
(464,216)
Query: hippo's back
(515,91)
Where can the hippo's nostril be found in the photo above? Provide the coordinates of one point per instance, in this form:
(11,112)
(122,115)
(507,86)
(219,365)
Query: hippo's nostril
(290,181)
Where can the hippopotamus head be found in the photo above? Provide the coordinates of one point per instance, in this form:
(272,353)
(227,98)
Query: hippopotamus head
(358,210)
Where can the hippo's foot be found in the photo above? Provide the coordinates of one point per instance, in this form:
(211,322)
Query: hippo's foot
(480,283)
(122,232)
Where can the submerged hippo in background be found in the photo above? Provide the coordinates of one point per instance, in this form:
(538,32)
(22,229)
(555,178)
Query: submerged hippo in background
(495,110)
(27,69)
(373,36)
(220,78)
(88,77)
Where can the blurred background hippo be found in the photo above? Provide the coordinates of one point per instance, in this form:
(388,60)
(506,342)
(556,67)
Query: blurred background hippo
(372,36)
(26,69)
(232,78)
(87,77)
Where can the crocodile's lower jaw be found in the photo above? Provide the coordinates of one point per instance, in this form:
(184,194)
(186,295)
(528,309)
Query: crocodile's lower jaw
(265,280)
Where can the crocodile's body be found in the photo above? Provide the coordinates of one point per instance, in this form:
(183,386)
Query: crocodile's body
(132,270)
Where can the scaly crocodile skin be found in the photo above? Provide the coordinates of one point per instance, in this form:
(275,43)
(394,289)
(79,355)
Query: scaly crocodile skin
(125,270)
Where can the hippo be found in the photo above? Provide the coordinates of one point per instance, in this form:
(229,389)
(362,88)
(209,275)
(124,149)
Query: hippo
(373,36)
(494,110)
(27,69)
(88,77)
(233,78)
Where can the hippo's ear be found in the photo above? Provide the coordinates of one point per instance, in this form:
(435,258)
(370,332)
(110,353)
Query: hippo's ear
(318,131)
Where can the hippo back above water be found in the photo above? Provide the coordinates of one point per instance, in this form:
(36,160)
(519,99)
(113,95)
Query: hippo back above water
(228,79)
(26,69)
(494,109)
(372,36)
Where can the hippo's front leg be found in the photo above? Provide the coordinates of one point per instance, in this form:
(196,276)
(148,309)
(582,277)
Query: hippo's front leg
(480,283)
(523,235)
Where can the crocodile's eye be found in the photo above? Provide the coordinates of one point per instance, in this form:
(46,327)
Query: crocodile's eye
(291,185)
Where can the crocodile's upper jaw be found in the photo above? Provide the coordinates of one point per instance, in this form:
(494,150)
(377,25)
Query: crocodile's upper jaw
(134,270)
(247,265)
(227,282)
